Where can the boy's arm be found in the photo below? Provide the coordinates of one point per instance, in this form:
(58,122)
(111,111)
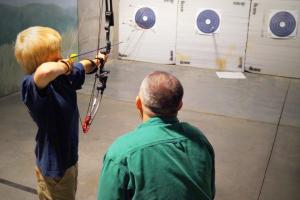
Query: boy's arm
(49,71)
(89,65)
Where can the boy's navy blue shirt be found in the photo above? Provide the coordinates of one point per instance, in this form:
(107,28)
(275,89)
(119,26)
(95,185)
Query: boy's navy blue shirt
(54,110)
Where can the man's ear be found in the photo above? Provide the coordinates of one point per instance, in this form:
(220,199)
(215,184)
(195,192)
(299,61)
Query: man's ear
(138,103)
(180,105)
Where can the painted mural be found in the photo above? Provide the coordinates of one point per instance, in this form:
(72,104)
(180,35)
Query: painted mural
(17,15)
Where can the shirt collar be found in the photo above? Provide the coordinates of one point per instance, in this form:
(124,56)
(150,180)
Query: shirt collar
(159,120)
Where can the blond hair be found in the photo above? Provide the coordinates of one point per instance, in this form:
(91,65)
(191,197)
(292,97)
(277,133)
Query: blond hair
(35,45)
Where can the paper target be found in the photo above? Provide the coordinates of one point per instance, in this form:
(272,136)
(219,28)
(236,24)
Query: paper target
(208,21)
(282,24)
(145,18)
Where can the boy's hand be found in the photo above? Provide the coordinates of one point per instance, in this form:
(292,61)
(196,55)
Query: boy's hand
(101,59)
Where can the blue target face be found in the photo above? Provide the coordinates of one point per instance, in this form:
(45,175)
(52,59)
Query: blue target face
(282,24)
(145,18)
(208,21)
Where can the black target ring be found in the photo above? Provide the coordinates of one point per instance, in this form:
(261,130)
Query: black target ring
(283,24)
(145,18)
(208,21)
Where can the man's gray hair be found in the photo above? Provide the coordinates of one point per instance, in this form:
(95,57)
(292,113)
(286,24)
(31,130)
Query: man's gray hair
(161,93)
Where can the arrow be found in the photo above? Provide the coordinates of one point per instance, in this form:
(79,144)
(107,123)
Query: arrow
(72,56)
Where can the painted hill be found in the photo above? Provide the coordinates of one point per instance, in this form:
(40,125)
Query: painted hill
(13,19)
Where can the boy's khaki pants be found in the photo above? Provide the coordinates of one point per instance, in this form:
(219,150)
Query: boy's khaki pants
(63,188)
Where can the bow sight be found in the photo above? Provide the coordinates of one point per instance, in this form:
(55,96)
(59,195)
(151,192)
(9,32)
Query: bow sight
(109,22)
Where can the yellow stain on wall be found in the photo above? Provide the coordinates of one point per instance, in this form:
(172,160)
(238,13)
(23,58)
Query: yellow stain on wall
(221,63)
(182,57)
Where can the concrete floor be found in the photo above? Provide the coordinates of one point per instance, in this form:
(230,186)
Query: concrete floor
(253,124)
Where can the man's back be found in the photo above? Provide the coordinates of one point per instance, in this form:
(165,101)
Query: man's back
(161,159)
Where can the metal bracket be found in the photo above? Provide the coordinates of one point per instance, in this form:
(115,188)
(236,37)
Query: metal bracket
(255,5)
(182,6)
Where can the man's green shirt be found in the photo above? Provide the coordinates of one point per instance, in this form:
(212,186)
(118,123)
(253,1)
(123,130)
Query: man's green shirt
(161,159)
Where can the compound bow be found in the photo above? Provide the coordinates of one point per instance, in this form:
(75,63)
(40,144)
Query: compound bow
(101,74)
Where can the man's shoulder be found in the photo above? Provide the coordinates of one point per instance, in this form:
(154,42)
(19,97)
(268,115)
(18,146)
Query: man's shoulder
(195,134)
(148,136)
(122,146)
(124,141)
(189,128)
(136,140)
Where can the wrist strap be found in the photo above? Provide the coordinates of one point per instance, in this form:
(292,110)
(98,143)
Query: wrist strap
(94,65)
(67,64)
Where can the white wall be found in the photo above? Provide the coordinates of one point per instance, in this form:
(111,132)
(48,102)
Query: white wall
(224,50)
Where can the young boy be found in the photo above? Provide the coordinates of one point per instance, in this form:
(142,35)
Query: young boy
(49,91)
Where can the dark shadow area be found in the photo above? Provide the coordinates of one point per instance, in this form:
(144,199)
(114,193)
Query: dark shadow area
(18,186)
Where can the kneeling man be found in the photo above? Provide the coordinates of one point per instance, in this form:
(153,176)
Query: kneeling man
(162,158)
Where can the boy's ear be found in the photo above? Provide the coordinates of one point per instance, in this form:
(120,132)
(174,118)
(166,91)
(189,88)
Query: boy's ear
(138,103)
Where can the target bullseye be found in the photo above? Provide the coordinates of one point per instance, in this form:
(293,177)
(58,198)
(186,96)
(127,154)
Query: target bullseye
(282,24)
(145,18)
(208,21)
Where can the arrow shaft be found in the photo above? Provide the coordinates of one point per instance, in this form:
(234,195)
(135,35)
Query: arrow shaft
(93,50)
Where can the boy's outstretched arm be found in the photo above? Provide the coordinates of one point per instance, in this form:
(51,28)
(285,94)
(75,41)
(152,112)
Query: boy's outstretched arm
(49,71)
